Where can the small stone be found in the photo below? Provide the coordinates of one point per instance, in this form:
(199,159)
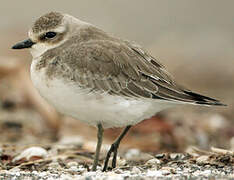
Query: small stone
(159,156)
(35,172)
(90,173)
(176,156)
(72,163)
(82,169)
(118,171)
(43,174)
(54,165)
(74,168)
(165,172)
(136,170)
(202,159)
(17,174)
(206,172)
(154,173)
(154,161)
(191,150)
(15,169)
(170,169)
(31,152)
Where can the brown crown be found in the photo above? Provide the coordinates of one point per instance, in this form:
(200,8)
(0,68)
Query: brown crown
(48,21)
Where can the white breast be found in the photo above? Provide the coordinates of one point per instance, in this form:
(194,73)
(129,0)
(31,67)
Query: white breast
(93,108)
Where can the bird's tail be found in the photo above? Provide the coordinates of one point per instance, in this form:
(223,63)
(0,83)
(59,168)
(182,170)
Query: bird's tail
(203,100)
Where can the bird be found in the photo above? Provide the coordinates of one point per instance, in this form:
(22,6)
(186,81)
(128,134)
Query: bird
(100,79)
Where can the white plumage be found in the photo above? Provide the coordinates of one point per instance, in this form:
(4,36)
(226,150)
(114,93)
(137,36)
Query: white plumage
(93,108)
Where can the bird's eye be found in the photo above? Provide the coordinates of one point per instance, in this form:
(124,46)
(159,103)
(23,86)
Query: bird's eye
(50,35)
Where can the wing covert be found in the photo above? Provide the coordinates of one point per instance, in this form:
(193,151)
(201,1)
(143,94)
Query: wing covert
(122,68)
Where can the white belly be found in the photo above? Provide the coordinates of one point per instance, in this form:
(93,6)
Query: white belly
(93,108)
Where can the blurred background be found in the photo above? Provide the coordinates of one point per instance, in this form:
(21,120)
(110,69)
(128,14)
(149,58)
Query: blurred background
(194,39)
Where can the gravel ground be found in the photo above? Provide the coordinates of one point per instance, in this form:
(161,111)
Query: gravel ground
(68,164)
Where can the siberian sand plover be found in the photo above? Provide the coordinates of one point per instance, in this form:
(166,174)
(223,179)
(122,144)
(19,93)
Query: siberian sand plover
(99,79)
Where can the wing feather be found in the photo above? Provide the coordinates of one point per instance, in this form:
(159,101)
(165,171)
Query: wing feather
(118,67)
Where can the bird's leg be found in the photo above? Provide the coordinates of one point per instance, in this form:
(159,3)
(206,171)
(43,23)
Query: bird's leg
(114,149)
(98,147)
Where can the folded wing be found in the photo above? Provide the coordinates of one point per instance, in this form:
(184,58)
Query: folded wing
(124,68)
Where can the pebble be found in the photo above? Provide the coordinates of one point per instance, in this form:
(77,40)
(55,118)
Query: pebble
(136,170)
(191,151)
(72,163)
(154,173)
(43,174)
(118,171)
(165,172)
(73,168)
(82,169)
(206,172)
(202,159)
(153,162)
(170,169)
(176,156)
(202,173)
(159,156)
(54,165)
(15,169)
(91,173)
(31,152)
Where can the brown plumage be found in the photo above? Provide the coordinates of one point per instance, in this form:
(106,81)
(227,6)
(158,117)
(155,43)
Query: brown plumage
(47,22)
(110,65)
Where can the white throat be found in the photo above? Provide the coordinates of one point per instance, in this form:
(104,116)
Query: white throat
(38,49)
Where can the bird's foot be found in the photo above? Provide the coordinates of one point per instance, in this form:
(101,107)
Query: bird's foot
(113,149)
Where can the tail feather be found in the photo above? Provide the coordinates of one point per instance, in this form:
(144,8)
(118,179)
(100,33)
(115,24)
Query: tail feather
(204,100)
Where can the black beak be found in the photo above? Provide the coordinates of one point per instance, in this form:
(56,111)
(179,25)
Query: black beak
(24,44)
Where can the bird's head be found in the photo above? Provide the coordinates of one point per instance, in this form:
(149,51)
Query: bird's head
(49,31)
